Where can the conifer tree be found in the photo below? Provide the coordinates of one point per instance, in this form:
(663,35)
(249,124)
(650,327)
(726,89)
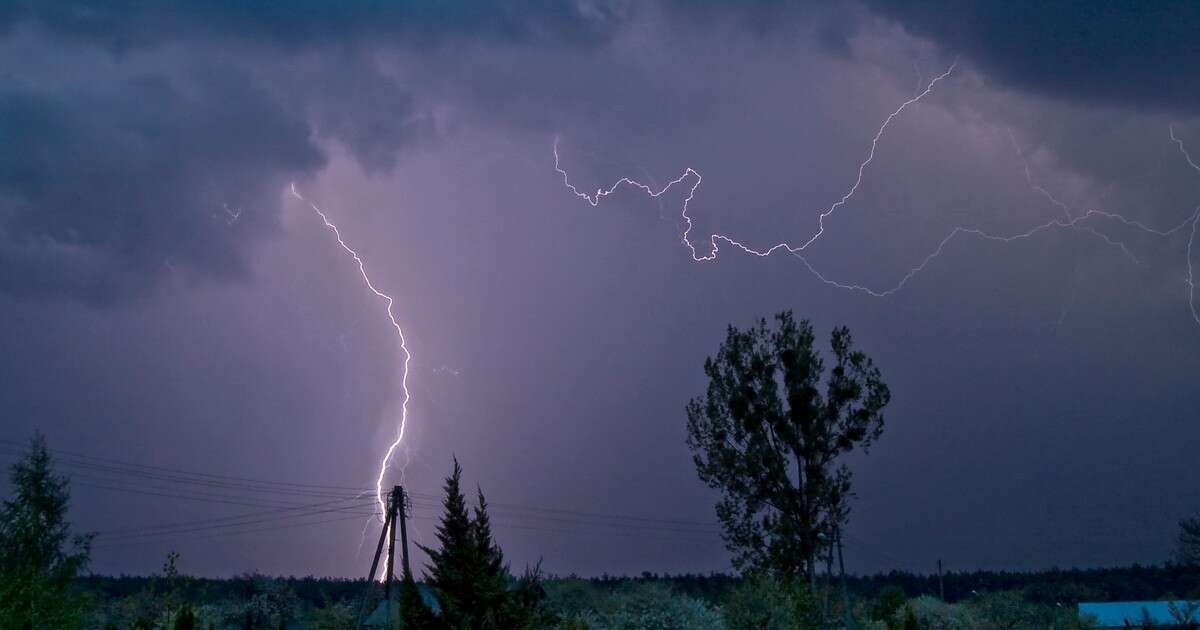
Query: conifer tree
(452,569)
(39,558)
(468,574)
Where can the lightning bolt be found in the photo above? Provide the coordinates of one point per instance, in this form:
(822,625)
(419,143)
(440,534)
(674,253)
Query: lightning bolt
(594,200)
(1078,222)
(385,463)
(1190,279)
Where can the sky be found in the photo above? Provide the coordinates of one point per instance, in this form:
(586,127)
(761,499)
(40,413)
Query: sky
(1010,243)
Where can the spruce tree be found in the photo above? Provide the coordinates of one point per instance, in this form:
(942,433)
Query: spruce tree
(492,576)
(467,571)
(39,558)
(454,567)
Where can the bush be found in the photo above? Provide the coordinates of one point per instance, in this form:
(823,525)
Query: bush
(767,604)
(931,613)
(888,605)
(642,606)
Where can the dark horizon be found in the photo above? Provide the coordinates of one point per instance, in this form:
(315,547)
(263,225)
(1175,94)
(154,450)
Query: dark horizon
(1019,196)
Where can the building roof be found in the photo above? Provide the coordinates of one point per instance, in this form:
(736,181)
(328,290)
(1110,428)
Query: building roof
(1115,614)
(379,617)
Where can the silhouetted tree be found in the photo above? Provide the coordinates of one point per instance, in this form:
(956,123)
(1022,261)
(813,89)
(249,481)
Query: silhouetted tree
(185,619)
(39,558)
(766,436)
(467,571)
(413,611)
(887,606)
(1187,545)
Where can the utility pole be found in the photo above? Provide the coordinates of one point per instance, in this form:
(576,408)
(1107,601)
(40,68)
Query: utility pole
(837,532)
(387,523)
(403,498)
(941,582)
(393,507)
(397,509)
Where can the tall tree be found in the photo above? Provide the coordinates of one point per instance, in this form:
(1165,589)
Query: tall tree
(39,558)
(771,441)
(452,567)
(1187,545)
(467,571)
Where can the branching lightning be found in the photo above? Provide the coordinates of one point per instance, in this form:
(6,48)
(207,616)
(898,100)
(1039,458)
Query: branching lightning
(1190,279)
(1079,222)
(380,495)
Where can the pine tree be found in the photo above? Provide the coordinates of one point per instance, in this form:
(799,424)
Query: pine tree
(36,566)
(451,570)
(467,571)
(186,619)
(492,576)
(413,611)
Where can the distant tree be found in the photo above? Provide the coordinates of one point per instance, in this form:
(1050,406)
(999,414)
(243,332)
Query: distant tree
(645,606)
(888,604)
(185,619)
(764,603)
(467,571)
(1187,545)
(766,436)
(414,614)
(39,558)
(1186,614)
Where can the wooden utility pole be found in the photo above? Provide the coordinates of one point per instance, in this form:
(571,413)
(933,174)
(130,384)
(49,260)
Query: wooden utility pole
(362,611)
(393,507)
(941,582)
(397,510)
(403,512)
(837,532)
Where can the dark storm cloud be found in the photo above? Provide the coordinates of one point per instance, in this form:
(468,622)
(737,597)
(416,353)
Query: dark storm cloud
(571,336)
(119,167)
(132,130)
(1121,52)
(108,185)
(130,23)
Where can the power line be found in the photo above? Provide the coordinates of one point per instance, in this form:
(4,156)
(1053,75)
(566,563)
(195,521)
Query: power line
(197,528)
(221,519)
(145,480)
(192,473)
(233,533)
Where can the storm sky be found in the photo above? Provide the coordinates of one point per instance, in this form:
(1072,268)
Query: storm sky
(165,301)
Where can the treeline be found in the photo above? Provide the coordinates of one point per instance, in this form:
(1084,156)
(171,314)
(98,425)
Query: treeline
(1048,586)
(315,591)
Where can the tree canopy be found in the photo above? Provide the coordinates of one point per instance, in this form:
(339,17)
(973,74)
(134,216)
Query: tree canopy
(769,433)
(467,571)
(39,557)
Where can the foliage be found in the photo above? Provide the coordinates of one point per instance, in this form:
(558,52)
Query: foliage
(931,613)
(468,574)
(636,606)
(1002,610)
(1187,545)
(185,619)
(764,603)
(767,437)
(39,558)
(332,617)
(888,606)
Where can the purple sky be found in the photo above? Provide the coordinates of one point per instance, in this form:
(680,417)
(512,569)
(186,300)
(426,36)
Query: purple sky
(1041,387)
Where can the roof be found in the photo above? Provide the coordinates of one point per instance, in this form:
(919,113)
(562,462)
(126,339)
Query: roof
(379,617)
(1115,614)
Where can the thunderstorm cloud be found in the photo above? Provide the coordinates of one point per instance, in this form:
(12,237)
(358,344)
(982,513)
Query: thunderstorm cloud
(163,299)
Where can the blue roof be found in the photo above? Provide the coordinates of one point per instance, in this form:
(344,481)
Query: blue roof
(1115,614)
